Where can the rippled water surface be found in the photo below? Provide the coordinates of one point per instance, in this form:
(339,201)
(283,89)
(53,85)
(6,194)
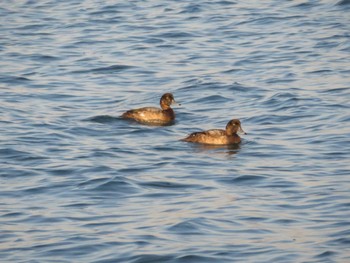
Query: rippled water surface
(79,184)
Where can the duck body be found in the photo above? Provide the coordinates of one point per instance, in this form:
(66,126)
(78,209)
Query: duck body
(150,115)
(153,115)
(217,136)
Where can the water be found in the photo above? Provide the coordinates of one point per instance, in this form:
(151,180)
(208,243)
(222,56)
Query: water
(79,184)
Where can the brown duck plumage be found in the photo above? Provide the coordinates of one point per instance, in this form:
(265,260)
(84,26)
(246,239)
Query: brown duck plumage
(217,136)
(154,115)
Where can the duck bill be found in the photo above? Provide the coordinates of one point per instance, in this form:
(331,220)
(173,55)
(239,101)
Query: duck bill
(240,130)
(173,102)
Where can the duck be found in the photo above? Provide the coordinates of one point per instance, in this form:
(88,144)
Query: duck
(218,136)
(153,115)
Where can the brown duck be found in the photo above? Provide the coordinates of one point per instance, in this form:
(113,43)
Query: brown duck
(153,115)
(217,136)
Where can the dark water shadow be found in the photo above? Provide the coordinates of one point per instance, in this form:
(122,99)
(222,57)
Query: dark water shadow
(103,119)
(343,3)
(104,70)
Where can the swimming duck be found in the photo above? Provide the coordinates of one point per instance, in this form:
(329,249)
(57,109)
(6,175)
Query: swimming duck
(217,136)
(153,115)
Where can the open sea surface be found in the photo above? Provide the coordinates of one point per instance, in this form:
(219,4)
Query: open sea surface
(80,184)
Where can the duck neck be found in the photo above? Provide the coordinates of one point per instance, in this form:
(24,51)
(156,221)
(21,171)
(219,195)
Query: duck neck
(169,112)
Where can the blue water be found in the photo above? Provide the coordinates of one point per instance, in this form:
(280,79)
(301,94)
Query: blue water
(79,184)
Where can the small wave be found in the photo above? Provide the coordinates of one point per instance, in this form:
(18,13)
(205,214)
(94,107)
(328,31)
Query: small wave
(62,172)
(14,79)
(104,11)
(13,214)
(174,34)
(44,58)
(337,91)
(342,241)
(167,185)
(153,40)
(144,258)
(78,205)
(265,20)
(343,2)
(211,99)
(115,186)
(111,69)
(285,98)
(326,254)
(94,181)
(186,227)
(198,258)
(33,27)
(12,173)
(191,8)
(11,153)
(306,6)
(104,70)
(321,72)
(248,179)
(20,156)
(225,2)
(285,221)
